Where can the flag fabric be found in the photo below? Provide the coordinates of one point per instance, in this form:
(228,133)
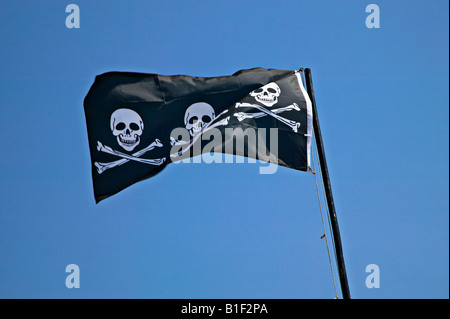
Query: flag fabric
(138,123)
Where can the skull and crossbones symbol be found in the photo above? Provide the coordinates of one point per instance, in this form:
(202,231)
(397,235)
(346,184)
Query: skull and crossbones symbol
(128,127)
(197,116)
(268,96)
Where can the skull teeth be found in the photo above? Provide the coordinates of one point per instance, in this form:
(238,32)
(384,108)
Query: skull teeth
(267,99)
(128,142)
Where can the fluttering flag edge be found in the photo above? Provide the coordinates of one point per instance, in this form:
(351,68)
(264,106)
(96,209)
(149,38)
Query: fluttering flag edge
(309,118)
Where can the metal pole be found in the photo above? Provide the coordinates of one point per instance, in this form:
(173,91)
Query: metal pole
(327,185)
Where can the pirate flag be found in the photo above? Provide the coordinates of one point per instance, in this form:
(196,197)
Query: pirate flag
(138,123)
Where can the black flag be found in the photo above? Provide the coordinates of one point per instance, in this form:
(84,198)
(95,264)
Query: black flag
(138,123)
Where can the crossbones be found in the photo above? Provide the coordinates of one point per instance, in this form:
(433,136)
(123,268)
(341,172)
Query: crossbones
(264,112)
(101,167)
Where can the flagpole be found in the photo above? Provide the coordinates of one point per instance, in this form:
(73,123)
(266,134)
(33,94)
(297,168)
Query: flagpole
(327,185)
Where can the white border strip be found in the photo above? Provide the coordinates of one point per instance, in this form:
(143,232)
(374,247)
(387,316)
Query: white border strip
(309,118)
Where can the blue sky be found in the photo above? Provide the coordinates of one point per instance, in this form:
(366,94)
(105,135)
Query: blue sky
(223,230)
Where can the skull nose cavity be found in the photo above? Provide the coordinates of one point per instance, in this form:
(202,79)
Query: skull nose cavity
(197,125)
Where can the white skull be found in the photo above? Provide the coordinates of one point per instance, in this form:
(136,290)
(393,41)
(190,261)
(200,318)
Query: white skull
(268,94)
(127,125)
(197,116)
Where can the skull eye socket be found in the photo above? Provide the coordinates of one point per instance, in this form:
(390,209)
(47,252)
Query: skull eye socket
(120,126)
(270,90)
(193,120)
(206,119)
(134,126)
(258,90)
